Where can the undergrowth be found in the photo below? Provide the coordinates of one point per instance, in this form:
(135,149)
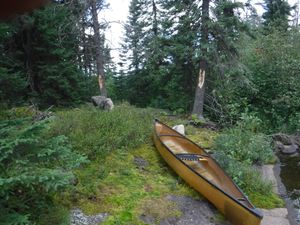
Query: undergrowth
(113,181)
(33,168)
(124,187)
(240,150)
(97,133)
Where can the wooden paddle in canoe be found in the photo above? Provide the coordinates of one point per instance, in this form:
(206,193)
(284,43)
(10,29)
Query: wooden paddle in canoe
(204,174)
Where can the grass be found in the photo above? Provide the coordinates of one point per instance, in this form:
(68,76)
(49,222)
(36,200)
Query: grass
(113,183)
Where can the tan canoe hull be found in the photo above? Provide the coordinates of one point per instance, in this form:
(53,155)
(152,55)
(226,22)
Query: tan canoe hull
(233,211)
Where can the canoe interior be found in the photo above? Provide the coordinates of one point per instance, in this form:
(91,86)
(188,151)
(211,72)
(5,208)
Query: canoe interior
(206,166)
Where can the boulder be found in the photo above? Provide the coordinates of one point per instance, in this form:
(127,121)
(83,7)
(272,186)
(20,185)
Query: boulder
(283,138)
(179,129)
(278,146)
(289,149)
(296,139)
(102,102)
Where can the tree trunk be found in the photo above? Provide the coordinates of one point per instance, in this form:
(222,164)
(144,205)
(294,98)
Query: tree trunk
(200,89)
(99,49)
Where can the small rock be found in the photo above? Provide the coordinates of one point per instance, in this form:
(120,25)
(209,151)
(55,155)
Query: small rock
(289,149)
(102,102)
(141,162)
(179,129)
(79,218)
(283,138)
(148,219)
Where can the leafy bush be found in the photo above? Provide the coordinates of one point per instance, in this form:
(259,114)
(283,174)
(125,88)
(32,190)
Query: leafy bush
(97,133)
(250,181)
(245,176)
(239,149)
(293,124)
(244,144)
(33,167)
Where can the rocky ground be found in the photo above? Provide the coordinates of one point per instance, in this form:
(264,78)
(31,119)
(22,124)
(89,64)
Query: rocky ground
(278,216)
(79,218)
(194,212)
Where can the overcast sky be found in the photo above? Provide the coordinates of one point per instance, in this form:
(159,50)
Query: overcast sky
(118,12)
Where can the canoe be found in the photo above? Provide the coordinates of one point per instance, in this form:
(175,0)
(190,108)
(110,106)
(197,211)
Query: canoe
(204,174)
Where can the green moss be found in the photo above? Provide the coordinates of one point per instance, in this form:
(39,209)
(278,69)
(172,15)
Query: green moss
(204,137)
(269,201)
(158,208)
(124,188)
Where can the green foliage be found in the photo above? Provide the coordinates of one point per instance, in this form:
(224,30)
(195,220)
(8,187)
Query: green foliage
(38,55)
(277,14)
(126,191)
(274,64)
(242,144)
(239,150)
(250,181)
(98,133)
(33,167)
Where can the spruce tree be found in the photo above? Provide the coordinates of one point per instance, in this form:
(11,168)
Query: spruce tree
(277,14)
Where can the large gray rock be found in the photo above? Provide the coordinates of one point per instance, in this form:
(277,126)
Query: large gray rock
(276,216)
(283,138)
(278,146)
(103,102)
(296,139)
(289,149)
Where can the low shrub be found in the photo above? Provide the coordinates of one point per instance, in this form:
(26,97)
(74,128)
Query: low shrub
(97,133)
(250,181)
(239,151)
(245,146)
(32,169)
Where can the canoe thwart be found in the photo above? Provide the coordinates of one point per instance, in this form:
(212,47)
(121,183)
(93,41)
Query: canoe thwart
(171,135)
(192,157)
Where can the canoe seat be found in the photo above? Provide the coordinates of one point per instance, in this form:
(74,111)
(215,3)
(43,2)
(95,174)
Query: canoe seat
(192,157)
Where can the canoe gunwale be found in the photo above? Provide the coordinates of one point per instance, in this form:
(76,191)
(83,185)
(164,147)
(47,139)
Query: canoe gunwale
(253,210)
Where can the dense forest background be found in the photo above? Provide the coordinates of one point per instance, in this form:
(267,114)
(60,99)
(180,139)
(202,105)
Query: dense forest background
(58,56)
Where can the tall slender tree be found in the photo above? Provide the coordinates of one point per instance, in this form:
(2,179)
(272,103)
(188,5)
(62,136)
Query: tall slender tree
(203,62)
(99,47)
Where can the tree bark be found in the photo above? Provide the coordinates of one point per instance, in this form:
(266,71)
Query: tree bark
(99,49)
(200,89)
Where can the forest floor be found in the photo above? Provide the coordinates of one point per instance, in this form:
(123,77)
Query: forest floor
(142,189)
(126,181)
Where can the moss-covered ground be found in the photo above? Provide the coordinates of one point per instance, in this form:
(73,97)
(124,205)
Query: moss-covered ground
(125,190)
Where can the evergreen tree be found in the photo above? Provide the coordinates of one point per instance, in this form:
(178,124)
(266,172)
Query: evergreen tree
(41,51)
(277,14)
(141,49)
